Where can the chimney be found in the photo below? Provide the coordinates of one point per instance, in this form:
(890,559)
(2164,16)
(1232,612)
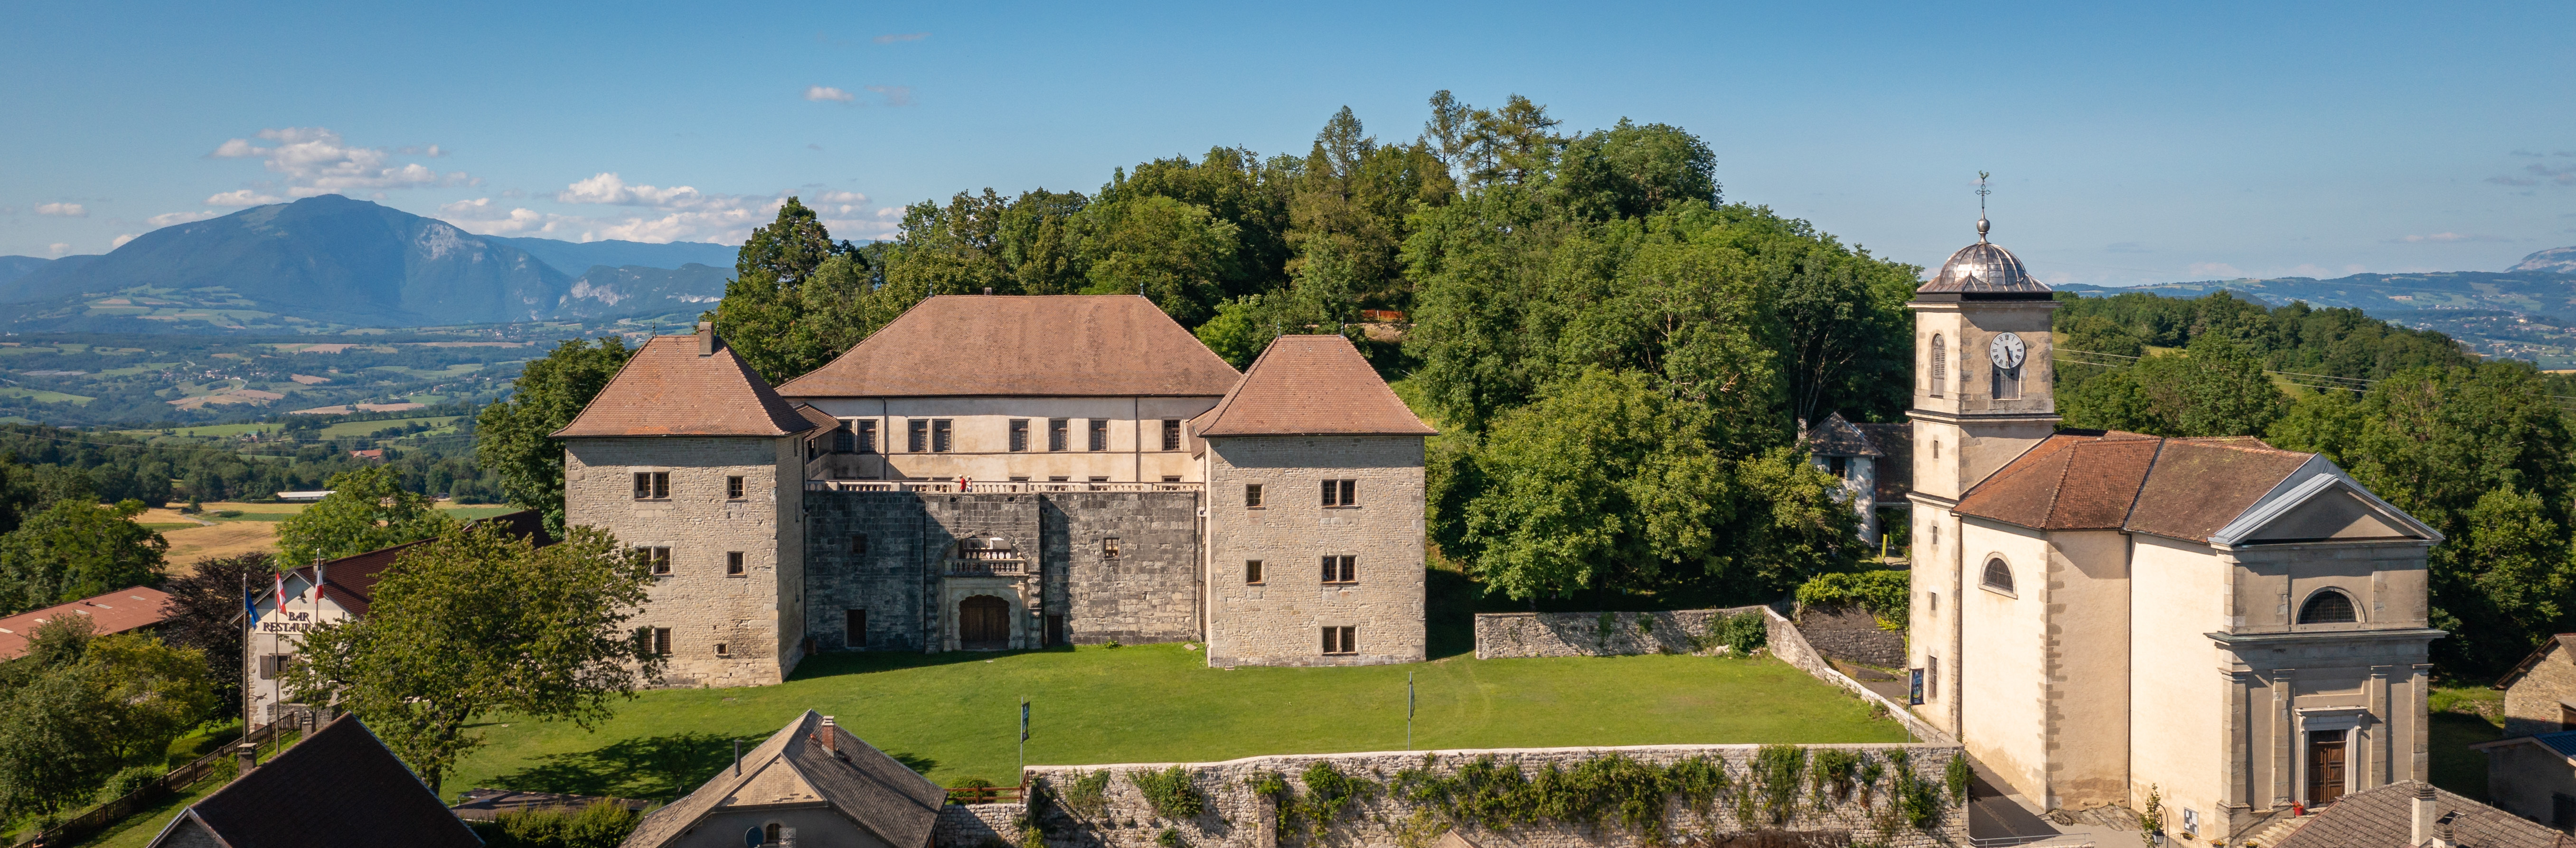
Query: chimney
(245,758)
(831,736)
(737,758)
(706,338)
(2423,835)
(988,291)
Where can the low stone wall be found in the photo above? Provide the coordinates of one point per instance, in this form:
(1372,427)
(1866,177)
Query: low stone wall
(1851,633)
(1235,814)
(976,825)
(1596,634)
(1792,648)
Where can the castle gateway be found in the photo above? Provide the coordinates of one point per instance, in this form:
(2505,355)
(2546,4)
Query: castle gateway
(1007,473)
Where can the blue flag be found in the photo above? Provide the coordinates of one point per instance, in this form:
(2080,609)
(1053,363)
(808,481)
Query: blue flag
(250,607)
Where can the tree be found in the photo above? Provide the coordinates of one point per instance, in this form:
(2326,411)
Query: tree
(75,549)
(1629,171)
(1173,253)
(368,509)
(514,437)
(480,622)
(205,614)
(81,706)
(2215,388)
(763,309)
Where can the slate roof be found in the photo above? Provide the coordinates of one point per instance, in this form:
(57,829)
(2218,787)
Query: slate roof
(114,612)
(1310,385)
(1983,269)
(1895,443)
(1838,437)
(352,579)
(340,787)
(792,767)
(2537,654)
(2385,818)
(668,389)
(1024,346)
(2189,489)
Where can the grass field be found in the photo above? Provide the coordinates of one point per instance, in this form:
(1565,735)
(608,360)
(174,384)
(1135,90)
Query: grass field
(954,716)
(2460,718)
(354,429)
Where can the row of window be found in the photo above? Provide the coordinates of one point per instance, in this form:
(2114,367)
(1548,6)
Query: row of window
(656,486)
(938,435)
(1335,493)
(656,641)
(660,561)
(1337,570)
(2325,606)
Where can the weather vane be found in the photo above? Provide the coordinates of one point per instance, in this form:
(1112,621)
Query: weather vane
(1981,205)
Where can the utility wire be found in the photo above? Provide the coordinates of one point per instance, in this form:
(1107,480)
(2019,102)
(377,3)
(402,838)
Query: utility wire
(2355,385)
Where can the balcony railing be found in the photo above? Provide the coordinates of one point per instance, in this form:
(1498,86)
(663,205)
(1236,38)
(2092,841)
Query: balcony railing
(951,487)
(988,567)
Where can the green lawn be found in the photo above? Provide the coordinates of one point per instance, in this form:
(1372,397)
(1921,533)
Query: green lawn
(953,716)
(469,513)
(2459,718)
(354,429)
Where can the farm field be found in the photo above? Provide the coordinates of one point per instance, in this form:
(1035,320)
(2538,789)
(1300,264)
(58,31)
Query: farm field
(255,529)
(954,716)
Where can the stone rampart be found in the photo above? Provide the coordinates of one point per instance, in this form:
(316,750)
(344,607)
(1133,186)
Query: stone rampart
(1240,802)
(1851,633)
(1597,634)
(977,825)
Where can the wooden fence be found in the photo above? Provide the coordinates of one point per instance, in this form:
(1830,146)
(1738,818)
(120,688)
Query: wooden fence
(98,818)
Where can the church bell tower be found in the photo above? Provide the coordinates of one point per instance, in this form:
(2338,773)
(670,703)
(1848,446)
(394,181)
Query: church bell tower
(1983,394)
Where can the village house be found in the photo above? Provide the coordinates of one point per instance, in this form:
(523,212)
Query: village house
(2531,772)
(130,608)
(2100,616)
(812,784)
(991,473)
(337,787)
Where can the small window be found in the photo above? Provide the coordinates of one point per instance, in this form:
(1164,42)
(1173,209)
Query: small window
(720,650)
(733,488)
(652,485)
(2328,606)
(1252,572)
(1059,479)
(653,641)
(769,835)
(733,564)
(1056,433)
(1932,676)
(843,441)
(865,437)
(2566,717)
(1341,641)
(1935,599)
(1109,547)
(858,544)
(1251,496)
(1171,434)
(1099,478)
(1998,575)
(917,435)
(1171,478)
(1341,493)
(1099,434)
(660,558)
(854,628)
(1940,371)
(940,441)
(1341,569)
(1019,434)
(272,666)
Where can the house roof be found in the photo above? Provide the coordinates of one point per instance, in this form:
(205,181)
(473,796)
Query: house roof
(668,388)
(1895,443)
(2385,818)
(2537,654)
(1311,385)
(1838,437)
(2223,491)
(820,419)
(1024,346)
(114,612)
(793,767)
(351,580)
(337,787)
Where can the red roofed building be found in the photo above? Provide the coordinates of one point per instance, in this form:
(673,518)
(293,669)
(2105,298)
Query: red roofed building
(126,609)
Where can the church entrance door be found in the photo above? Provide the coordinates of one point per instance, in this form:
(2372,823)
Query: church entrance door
(2325,766)
(984,623)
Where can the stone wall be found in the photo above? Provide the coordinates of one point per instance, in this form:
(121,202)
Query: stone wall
(1237,816)
(2536,702)
(1851,633)
(1792,648)
(1597,634)
(1280,619)
(976,825)
(754,616)
(1150,591)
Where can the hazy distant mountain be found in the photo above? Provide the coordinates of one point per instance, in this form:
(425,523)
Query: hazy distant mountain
(576,257)
(2560,260)
(334,260)
(13,267)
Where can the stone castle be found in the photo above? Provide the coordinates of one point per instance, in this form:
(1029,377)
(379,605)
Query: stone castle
(990,473)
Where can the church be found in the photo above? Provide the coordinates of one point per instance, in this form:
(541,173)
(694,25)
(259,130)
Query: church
(1010,472)
(2101,617)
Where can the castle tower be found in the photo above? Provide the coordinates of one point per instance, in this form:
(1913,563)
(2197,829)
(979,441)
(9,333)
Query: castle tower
(1982,395)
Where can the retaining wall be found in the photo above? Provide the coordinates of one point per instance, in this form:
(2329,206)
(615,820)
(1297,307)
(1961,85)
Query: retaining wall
(1237,816)
(1792,648)
(1596,634)
(1851,633)
(976,825)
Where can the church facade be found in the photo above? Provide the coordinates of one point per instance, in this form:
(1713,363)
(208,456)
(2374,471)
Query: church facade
(2104,616)
(991,473)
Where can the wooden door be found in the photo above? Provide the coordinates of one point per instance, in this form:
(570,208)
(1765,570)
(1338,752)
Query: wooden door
(2325,766)
(984,623)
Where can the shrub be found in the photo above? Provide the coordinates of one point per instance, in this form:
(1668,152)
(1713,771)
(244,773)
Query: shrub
(1089,794)
(600,825)
(1918,800)
(1328,792)
(1169,792)
(1744,633)
(126,782)
(1833,773)
(1775,781)
(1170,838)
(1957,774)
(1885,594)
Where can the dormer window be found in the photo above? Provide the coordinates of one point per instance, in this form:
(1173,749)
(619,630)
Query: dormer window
(2328,606)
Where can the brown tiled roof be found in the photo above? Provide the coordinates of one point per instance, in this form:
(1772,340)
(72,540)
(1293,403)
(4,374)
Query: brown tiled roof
(1026,346)
(1311,385)
(667,389)
(2095,480)
(114,612)
(352,579)
(340,787)
(2385,818)
(1838,437)
(2200,485)
(1895,444)
(892,802)
(820,419)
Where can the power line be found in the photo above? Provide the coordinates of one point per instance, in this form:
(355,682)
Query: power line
(2355,385)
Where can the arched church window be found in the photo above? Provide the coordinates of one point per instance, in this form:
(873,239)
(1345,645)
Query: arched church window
(1998,575)
(2328,606)
(1940,365)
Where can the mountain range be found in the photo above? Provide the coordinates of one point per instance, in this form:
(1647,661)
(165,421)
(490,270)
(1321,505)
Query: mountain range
(331,261)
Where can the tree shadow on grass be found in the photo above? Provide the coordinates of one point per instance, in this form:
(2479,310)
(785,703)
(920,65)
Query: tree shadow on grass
(658,768)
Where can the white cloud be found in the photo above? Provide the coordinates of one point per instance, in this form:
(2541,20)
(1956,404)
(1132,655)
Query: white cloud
(660,214)
(180,218)
(908,36)
(244,197)
(121,240)
(59,248)
(824,93)
(606,187)
(63,210)
(316,161)
(895,95)
(2214,270)
(838,202)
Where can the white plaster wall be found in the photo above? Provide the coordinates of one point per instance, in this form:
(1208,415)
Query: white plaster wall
(274,632)
(2179,692)
(2004,667)
(1931,629)
(980,433)
(2088,608)
(759,616)
(1279,622)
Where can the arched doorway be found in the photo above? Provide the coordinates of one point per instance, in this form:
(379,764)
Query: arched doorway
(983,623)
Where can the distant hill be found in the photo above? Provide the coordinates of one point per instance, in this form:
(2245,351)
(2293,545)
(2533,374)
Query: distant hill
(13,267)
(2508,314)
(331,261)
(2558,259)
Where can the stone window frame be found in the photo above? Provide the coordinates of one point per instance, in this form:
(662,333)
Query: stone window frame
(1252,496)
(1172,439)
(916,435)
(736,487)
(1340,641)
(737,564)
(1108,547)
(652,485)
(1096,432)
(657,559)
(1341,493)
(1252,572)
(943,435)
(721,652)
(1059,434)
(653,641)
(863,435)
(1986,576)
(1940,370)
(1344,566)
(2352,605)
(1019,435)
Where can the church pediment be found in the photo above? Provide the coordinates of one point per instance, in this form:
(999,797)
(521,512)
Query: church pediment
(2328,507)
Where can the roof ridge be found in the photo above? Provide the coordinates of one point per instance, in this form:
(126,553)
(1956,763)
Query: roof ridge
(2129,516)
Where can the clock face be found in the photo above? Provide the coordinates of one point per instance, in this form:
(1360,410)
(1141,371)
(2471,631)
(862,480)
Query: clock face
(2006,351)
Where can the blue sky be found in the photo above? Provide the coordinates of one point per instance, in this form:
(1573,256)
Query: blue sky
(2146,143)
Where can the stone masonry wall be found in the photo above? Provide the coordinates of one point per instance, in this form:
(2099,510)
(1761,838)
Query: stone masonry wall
(1596,634)
(1237,816)
(1851,633)
(2535,703)
(976,825)
(1280,620)
(1150,591)
(702,605)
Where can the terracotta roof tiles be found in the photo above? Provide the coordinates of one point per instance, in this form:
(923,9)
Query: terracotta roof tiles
(2096,480)
(1024,346)
(114,612)
(1311,385)
(669,389)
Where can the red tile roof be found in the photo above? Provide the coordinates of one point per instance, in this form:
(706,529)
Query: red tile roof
(351,580)
(669,389)
(1311,385)
(114,612)
(2095,480)
(1024,346)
